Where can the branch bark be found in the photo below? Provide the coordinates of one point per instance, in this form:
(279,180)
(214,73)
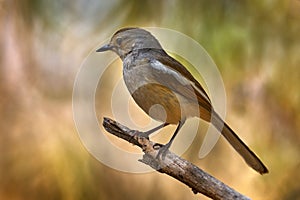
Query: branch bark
(172,165)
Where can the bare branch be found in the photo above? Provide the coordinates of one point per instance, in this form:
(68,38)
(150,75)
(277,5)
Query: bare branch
(173,165)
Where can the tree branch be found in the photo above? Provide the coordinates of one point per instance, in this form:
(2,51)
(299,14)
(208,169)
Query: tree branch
(173,165)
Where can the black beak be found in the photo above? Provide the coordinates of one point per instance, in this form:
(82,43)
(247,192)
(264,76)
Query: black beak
(104,48)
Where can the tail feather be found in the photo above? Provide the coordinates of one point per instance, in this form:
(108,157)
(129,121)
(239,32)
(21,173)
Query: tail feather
(249,156)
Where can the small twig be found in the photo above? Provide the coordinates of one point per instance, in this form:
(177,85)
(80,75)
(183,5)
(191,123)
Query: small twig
(173,165)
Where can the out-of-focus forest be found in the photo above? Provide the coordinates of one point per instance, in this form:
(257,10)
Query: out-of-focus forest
(255,44)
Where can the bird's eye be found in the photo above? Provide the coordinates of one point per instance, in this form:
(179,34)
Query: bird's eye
(119,41)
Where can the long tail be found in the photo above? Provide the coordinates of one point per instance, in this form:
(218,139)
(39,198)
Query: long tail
(249,156)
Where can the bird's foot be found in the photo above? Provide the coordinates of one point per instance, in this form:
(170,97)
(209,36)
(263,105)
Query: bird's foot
(163,149)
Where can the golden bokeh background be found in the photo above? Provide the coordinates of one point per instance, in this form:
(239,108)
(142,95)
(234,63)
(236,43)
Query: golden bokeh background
(255,44)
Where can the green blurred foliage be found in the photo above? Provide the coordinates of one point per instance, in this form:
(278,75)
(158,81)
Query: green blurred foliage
(255,44)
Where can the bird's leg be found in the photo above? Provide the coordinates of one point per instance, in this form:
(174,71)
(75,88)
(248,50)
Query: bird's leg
(155,129)
(163,149)
(147,133)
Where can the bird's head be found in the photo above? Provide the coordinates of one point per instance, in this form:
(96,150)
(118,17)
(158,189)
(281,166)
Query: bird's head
(127,40)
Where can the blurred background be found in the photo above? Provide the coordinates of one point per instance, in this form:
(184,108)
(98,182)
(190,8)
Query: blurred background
(255,44)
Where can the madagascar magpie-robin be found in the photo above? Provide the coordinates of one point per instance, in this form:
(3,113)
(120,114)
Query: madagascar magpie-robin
(155,78)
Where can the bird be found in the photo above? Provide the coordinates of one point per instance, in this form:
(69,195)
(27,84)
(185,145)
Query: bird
(155,78)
